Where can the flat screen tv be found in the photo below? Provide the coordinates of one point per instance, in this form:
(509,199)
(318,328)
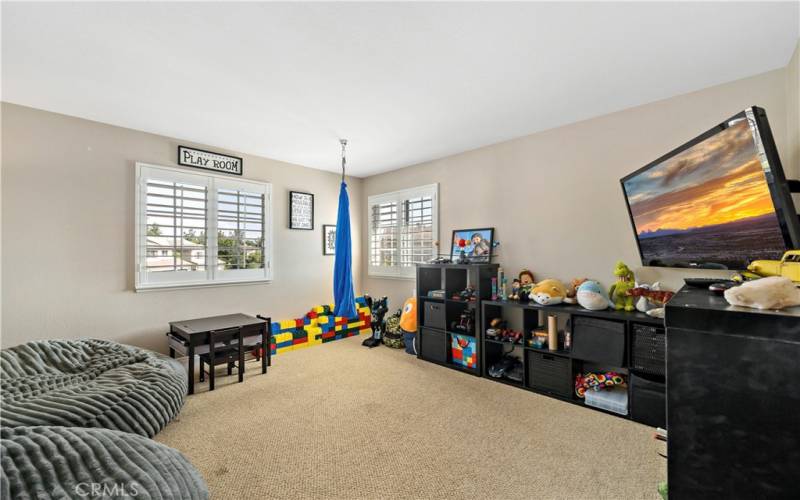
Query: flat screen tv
(716,202)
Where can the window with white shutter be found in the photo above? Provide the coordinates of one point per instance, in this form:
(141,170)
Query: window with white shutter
(197,229)
(403,230)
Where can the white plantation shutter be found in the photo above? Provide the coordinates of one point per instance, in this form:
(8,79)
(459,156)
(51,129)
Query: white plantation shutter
(199,229)
(402,230)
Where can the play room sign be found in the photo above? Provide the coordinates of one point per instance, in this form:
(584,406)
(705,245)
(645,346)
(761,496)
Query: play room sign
(199,158)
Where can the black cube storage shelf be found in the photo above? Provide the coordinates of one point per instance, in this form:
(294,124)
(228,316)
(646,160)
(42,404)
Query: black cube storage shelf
(604,340)
(435,316)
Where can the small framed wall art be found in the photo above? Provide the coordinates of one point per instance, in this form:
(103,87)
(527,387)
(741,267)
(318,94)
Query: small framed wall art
(301,210)
(328,239)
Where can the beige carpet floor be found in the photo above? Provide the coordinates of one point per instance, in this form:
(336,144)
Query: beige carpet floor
(343,421)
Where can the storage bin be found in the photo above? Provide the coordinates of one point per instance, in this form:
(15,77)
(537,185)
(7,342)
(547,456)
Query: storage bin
(432,345)
(613,399)
(598,340)
(434,315)
(648,347)
(463,351)
(550,373)
(648,400)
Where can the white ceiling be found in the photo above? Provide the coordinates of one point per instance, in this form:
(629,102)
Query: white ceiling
(404,82)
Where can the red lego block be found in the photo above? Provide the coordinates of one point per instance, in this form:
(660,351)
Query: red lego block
(328,335)
(312,314)
(302,340)
(341,321)
(299,322)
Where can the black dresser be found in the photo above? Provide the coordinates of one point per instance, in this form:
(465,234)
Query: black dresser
(733,399)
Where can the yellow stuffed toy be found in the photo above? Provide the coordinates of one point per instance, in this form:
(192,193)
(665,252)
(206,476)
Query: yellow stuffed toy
(549,292)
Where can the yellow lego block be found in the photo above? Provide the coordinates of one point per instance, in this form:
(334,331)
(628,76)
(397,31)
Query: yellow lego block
(287,323)
(324,320)
(355,325)
(282,337)
(312,322)
(319,309)
(313,330)
(365,331)
(300,346)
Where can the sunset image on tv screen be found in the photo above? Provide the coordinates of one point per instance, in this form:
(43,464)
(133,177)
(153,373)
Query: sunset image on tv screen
(709,204)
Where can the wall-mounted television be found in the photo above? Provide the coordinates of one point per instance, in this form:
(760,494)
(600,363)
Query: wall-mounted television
(716,202)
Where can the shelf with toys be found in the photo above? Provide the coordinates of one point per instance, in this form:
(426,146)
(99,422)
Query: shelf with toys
(449,298)
(598,351)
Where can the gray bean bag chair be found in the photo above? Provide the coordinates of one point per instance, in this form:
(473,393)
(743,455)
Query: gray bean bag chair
(89,383)
(71,462)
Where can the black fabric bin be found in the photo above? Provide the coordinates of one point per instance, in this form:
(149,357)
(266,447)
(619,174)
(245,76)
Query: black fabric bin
(432,345)
(551,373)
(648,349)
(434,315)
(648,402)
(598,340)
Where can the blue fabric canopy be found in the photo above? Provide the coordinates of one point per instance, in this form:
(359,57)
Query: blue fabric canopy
(343,295)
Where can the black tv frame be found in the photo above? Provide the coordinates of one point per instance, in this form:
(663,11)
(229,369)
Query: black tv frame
(776,180)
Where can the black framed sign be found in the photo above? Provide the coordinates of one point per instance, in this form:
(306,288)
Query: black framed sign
(328,239)
(301,210)
(199,158)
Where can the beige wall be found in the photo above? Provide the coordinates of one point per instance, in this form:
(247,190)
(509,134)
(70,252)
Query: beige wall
(793,117)
(554,197)
(67,235)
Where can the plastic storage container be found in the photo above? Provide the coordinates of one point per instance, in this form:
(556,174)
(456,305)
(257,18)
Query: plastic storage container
(613,399)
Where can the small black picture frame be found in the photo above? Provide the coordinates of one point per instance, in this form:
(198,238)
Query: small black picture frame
(328,239)
(301,210)
(476,251)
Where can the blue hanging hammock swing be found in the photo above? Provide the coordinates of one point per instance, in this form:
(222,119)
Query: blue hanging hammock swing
(344,298)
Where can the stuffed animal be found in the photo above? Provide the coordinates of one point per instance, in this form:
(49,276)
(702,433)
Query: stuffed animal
(590,295)
(775,292)
(526,284)
(619,290)
(572,291)
(548,292)
(649,296)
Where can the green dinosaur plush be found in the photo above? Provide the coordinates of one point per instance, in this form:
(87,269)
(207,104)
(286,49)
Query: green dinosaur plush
(619,290)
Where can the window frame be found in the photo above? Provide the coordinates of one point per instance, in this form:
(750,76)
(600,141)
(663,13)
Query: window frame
(398,271)
(212,276)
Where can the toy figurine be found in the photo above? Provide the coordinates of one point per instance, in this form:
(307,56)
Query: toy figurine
(619,290)
(788,266)
(526,284)
(515,286)
(548,292)
(590,295)
(649,296)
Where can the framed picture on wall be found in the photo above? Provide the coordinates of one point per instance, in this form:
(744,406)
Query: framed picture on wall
(475,243)
(301,210)
(328,239)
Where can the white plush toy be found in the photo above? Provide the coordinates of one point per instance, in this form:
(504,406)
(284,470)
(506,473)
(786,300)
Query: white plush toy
(775,292)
